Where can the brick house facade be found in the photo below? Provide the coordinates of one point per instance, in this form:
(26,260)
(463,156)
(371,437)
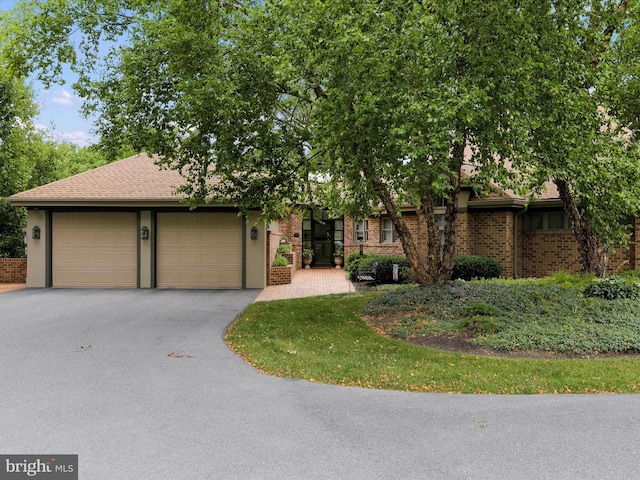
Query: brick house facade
(531,240)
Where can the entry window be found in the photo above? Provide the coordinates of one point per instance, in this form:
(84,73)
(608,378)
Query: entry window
(387,232)
(362,231)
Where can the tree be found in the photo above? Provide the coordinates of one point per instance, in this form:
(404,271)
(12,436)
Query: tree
(581,136)
(16,108)
(364,105)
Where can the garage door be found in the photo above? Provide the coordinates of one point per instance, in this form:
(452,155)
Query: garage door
(94,249)
(199,250)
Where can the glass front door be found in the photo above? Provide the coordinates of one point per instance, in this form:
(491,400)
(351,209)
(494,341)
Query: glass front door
(323,235)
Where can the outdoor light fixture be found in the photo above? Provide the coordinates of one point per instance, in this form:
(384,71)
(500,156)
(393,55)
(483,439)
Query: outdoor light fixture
(254,233)
(144,233)
(35,232)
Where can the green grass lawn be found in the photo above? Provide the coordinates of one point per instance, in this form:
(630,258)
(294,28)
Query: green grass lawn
(325,339)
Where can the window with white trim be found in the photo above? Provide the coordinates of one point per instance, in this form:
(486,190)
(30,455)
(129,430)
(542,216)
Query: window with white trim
(387,232)
(362,231)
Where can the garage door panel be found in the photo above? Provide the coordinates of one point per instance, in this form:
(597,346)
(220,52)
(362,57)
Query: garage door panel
(199,250)
(94,249)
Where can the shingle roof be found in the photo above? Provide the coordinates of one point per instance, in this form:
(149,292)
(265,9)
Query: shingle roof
(137,180)
(133,179)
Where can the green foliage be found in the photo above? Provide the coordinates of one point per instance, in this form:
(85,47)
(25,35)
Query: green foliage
(478,325)
(284,248)
(13,220)
(631,275)
(567,280)
(385,96)
(518,315)
(291,339)
(385,266)
(279,261)
(612,288)
(468,267)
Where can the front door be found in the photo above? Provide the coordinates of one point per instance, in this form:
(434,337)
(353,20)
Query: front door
(323,235)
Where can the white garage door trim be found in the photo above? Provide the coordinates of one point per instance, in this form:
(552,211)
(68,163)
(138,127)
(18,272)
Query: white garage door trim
(198,250)
(92,249)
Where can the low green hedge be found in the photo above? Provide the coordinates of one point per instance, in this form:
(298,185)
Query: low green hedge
(468,267)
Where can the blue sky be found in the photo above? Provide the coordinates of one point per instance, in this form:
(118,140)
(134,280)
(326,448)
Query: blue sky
(59,108)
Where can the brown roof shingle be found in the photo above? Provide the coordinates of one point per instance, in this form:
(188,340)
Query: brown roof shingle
(134,179)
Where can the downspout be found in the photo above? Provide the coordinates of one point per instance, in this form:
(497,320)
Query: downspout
(515,239)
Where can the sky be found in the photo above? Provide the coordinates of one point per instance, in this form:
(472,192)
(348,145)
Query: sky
(59,106)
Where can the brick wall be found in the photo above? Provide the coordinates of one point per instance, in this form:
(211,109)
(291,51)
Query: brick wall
(281,275)
(13,270)
(489,233)
(547,251)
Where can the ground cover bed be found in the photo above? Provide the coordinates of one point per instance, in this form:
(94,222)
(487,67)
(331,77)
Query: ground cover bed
(368,339)
(536,318)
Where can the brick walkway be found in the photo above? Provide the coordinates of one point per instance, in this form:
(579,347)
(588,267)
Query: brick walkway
(308,283)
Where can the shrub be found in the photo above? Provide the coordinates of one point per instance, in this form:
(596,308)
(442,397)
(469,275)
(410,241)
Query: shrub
(279,261)
(385,266)
(612,288)
(284,248)
(478,325)
(631,275)
(468,267)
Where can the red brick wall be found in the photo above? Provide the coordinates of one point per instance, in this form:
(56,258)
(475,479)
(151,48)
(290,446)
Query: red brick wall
(13,270)
(489,233)
(281,275)
(547,251)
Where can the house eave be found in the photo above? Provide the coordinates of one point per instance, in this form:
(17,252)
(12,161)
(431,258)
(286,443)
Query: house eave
(45,203)
(497,203)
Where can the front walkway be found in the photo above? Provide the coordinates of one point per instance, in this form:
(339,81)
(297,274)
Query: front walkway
(308,283)
(305,283)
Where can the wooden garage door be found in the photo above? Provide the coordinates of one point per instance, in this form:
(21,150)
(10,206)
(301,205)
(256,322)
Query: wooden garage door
(199,250)
(94,249)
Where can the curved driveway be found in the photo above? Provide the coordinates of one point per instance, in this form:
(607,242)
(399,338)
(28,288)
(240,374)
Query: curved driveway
(140,384)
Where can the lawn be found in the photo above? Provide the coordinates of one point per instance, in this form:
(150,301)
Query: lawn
(326,339)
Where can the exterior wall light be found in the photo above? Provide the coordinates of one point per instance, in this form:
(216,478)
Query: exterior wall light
(144,233)
(35,232)
(254,233)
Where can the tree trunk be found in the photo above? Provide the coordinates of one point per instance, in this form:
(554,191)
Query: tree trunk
(433,238)
(592,255)
(451,213)
(404,234)
(408,244)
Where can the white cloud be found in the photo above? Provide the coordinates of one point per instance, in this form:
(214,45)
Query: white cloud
(78,137)
(63,98)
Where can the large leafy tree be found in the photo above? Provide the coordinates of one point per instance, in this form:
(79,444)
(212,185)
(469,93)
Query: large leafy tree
(16,109)
(363,104)
(583,128)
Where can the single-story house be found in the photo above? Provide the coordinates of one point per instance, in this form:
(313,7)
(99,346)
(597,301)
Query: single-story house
(121,225)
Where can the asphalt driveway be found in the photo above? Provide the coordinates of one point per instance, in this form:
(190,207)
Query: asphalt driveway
(140,385)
